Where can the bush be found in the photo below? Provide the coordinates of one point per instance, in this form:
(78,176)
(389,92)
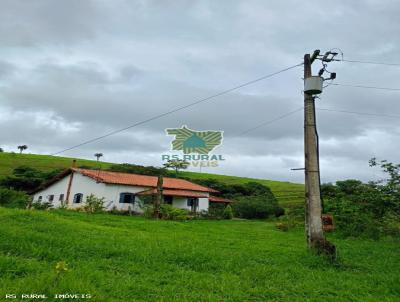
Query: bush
(236,190)
(94,204)
(14,199)
(41,205)
(148,211)
(168,212)
(287,222)
(25,178)
(227,213)
(361,216)
(215,210)
(254,207)
(279,211)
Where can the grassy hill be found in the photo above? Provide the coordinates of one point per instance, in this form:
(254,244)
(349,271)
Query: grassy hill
(286,192)
(123,258)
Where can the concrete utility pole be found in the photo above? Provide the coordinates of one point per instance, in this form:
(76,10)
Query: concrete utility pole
(313,208)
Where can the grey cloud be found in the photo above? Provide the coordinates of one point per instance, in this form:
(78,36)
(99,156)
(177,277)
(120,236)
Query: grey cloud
(6,69)
(40,23)
(76,70)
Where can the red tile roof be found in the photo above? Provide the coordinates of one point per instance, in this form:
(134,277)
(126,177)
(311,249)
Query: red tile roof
(141,180)
(219,199)
(168,192)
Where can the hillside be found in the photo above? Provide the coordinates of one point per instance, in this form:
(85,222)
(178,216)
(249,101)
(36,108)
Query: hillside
(287,193)
(125,258)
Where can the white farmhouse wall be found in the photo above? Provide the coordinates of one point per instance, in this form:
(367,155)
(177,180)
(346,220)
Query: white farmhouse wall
(111,193)
(181,203)
(203,204)
(60,187)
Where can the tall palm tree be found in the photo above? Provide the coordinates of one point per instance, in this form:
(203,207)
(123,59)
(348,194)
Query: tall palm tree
(98,155)
(22,148)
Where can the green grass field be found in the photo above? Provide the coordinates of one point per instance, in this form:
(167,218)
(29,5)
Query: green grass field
(286,192)
(122,258)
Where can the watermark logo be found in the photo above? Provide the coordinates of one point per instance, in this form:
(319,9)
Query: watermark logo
(196,146)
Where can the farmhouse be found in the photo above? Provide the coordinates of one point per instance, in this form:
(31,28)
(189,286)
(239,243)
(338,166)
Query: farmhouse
(122,191)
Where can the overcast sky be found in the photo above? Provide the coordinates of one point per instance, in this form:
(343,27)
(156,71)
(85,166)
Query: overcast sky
(73,70)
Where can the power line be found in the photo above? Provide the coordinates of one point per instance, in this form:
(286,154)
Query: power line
(178,109)
(271,121)
(370,62)
(359,113)
(367,87)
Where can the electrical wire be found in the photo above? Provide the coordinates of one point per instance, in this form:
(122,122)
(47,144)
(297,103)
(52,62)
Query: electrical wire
(271,121)
(370,62)
(177,109)
(364,86)
(359,113)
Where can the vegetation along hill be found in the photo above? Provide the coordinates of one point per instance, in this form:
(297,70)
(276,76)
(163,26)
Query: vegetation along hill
(288,194)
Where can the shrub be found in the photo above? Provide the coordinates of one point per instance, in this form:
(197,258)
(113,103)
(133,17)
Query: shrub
(41,205)
(93,204)
(115,211)
(254,207)
(168,212)
(215,210)
(25,178)
(279,211)
(236,190)
(287,222)
(228,212)
(360,216)
(14,199)
(148,211)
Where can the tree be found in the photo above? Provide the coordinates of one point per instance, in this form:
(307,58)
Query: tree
(25,178)
(98,155)
(22,148)
(1,150)
(366,209)
(390,186)
(176,164)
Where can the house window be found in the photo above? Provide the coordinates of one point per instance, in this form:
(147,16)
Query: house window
(78,198)
(126,198)
(51,197)
(40,198)
(168,199)
(61,198)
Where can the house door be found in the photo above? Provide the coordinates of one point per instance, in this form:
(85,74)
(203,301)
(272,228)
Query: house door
(194,204)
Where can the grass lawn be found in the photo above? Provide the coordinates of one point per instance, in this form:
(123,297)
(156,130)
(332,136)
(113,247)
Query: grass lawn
(287,193)
(121,258)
